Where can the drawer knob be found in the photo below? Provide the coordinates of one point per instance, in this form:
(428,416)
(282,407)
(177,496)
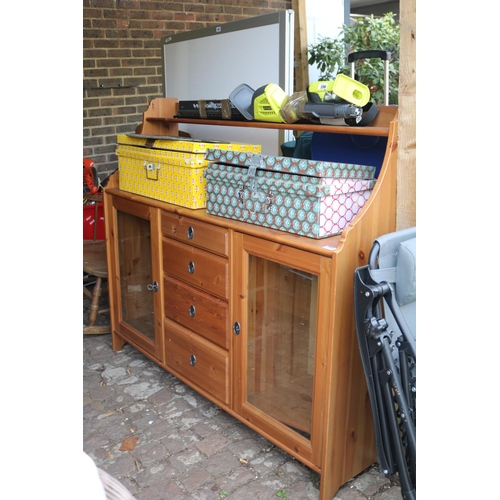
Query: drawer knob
(236,328)
(191,267)
(190,232)
(192,360)
(192,311)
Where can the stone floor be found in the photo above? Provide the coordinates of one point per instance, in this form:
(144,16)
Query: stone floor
(164,441)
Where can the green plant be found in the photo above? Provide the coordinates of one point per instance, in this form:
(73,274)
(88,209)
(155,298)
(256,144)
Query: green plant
(367,33)
(281,494)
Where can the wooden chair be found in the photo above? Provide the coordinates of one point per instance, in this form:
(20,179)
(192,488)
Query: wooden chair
(95,266)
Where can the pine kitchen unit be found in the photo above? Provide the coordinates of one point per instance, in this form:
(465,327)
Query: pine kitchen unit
(257,320)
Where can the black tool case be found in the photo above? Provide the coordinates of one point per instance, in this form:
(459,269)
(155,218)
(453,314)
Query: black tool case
(214,109)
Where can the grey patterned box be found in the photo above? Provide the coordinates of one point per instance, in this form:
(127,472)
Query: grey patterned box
(316,199)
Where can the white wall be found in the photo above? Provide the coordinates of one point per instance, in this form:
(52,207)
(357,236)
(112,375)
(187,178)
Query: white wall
(325,18)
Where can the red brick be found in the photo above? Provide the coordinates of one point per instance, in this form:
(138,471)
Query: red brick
(122,44)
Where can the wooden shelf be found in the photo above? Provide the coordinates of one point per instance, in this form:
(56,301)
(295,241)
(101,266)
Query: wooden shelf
(379,127)
(159,120)
(373,131)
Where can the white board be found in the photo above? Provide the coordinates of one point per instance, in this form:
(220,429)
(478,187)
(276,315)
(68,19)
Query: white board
(210,63)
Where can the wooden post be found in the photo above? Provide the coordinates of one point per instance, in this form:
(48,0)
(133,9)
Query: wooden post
(300,46)
(406,176)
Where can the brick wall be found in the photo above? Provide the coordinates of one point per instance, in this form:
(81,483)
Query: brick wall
(122,66)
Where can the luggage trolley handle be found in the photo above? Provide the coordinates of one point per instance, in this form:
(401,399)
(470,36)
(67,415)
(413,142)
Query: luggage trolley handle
(385,55)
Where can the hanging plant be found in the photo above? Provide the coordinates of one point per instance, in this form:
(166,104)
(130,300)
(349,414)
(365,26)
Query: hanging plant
(367,33)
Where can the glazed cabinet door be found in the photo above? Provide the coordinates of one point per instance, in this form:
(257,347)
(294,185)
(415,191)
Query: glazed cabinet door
(137,315)
(280,303)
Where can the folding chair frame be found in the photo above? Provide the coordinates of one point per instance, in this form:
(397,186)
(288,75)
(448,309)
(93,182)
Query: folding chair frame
(389,362)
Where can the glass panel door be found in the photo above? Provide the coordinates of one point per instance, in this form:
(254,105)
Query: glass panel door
(281,342)
(280,336)
(135,268)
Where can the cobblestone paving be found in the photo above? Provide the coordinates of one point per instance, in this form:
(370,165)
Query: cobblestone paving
(183,446)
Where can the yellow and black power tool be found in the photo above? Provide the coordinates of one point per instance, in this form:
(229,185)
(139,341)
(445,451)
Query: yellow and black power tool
(341,90)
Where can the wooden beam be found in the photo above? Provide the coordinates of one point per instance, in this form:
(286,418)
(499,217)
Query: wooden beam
(300,46)
(407,151)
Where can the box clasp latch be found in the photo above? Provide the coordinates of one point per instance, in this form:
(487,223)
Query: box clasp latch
(255,162)
(239,195)
(151,170)
(269,201)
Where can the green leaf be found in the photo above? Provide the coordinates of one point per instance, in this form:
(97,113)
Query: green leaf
(367,33)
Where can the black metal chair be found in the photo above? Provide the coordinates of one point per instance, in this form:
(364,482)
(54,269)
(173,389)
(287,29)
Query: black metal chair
(385,307)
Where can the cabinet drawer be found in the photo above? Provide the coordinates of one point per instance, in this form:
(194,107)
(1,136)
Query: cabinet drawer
(197,311)
(194,232)
(197,267)
(198,360)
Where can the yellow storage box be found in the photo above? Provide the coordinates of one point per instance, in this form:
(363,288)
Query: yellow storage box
(169,169)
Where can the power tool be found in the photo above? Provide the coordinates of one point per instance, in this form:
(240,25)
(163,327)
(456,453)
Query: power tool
(341,90)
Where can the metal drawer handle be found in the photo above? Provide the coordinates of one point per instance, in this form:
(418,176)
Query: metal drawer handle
(190,232)
(236,328)
(192,311)
(191,267)
(192,360)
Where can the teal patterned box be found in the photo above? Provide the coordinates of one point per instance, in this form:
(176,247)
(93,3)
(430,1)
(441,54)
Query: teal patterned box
(310,198)
(289,165)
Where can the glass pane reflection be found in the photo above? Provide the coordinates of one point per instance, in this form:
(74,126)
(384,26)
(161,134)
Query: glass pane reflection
(134,248)
(281,319)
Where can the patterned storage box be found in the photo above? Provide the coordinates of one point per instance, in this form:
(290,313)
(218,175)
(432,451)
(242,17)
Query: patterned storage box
(168,169)
(311,198)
